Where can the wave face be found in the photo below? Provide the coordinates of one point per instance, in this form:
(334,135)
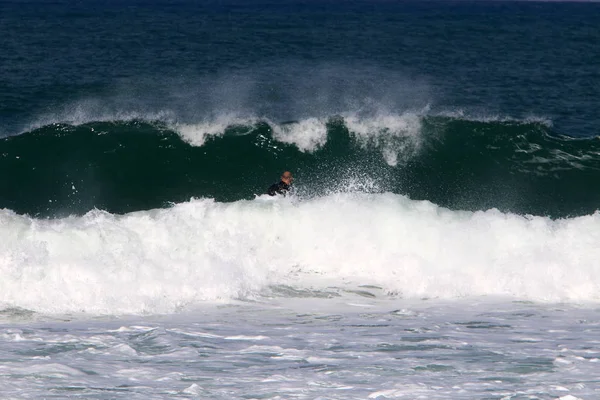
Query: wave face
(122,166)
(168,259)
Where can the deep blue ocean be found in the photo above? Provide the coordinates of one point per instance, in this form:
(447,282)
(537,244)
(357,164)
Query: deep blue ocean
(131,105)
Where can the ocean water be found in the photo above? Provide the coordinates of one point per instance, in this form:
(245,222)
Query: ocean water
(323,345)
(441,241)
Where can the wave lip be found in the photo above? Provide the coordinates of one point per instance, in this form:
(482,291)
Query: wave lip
(196,134)
(161,261)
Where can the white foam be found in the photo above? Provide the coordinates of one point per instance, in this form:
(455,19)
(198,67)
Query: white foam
(308,135)
(197,133)
(47,370)
(397,135)
(165,260)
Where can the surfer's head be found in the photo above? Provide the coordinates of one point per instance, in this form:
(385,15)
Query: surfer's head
(287,178)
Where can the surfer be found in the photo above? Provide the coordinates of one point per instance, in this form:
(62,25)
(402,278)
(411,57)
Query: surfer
(283,186)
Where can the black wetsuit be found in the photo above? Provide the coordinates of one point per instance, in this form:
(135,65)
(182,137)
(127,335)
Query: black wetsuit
(278,188)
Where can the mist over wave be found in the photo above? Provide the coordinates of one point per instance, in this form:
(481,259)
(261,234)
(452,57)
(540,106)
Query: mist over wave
(277,91)
(167,259)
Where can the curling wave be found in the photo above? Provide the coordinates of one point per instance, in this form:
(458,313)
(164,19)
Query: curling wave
(122,166)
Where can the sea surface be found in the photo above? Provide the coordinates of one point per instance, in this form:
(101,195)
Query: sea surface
(441,241)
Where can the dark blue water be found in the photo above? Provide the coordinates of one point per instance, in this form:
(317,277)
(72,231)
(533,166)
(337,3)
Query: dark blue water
(186,62)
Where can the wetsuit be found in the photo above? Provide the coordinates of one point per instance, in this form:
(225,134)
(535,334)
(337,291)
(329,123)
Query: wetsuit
(278,188)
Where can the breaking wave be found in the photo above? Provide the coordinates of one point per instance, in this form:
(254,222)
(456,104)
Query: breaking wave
(165,260)
(519,166)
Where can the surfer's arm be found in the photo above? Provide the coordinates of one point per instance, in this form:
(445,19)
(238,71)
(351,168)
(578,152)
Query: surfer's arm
(273,190)
(278,188)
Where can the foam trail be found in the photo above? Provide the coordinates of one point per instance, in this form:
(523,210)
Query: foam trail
(483,117)
(162,260)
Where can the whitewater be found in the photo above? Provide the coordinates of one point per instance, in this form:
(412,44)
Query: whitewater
(163,260)
(350,295)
